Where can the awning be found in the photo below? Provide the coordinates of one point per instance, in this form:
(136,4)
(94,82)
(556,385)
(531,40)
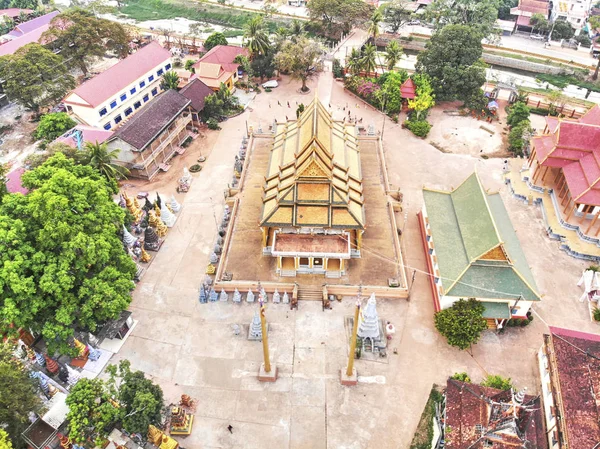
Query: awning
(524,21)
(497,310)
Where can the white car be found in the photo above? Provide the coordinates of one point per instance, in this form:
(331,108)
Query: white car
(270,84)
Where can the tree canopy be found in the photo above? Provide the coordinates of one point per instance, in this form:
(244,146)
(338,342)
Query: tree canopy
(300,59)
(498,382)
(81,37)
(35,77)
(256,38)
(395,14)
(517,113)
(63,264)
(479,15)
(17,396)
(462,323)
(452,61)
(54,125)
(338,16)
(170,80)
(213,40)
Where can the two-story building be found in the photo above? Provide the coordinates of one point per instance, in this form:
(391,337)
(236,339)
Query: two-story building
(575,12)
(219,66)
(569,364)
(117,93)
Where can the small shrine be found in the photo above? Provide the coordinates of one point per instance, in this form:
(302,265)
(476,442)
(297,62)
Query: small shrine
(371,333)
(255,331)
(408,89)
(181,421)
(160,439)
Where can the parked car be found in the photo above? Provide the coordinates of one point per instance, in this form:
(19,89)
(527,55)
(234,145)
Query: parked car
(537,37)
(414,22)
(270,84)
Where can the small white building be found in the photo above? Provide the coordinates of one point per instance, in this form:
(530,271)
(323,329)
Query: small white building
(117,93)
(576,12)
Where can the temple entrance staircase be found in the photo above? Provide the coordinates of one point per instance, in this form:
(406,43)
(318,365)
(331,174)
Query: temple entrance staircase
(310,293)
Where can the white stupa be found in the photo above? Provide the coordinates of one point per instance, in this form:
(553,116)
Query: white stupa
(369,324)
(167,216)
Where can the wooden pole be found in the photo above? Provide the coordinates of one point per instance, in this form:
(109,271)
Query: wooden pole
(265,338)
(353,340)
(593,222)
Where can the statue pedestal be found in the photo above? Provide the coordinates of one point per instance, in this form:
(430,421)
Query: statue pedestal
(348,381)
(271,376)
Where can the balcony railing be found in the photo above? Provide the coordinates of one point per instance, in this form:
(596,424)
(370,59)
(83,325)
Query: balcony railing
(184,121)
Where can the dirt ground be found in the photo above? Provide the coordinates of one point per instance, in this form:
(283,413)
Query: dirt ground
(191,348)
(17,142)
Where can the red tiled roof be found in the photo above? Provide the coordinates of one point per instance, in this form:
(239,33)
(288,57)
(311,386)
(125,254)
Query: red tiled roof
(196,91)
(14,12)
(13,181)
(33,24)
(223,55)
(578,370)
(469,405)
(408,89)
(11,47)
(574,146)
(524,21)
(89,134)
(105,86)
(534,6)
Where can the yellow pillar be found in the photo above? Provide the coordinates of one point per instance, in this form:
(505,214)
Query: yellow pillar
(359,234)
(296,263)
(341,264)
(265,338)
(325,259)
(279,262)
(353,341)
(265,235)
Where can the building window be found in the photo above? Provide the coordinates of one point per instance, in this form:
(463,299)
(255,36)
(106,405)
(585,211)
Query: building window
(132,91)
(123,97)
(102,112)
(145,98)
(168,67)
(160,72)
(151,78)
(137,104)
(113,104)
(154,91)
(142,84)
(118,118)
(128,111)
(107,126)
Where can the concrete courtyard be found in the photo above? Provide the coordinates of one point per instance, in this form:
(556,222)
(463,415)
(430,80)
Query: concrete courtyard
(191,348)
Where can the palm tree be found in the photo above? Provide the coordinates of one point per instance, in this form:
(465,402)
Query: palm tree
(393,53)
(170,80)
(369,59)
(100,157)
(296,29)
(244,62)
(255,37)
(376,19)
(354,63)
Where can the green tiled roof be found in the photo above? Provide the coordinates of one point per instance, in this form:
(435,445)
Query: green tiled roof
(467,223)
(496,310)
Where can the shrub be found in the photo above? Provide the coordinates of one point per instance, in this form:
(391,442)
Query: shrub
(518,112)
(596,314)
(463,377)
(268,89)
(213,124)
(584,40)
(517,138)
(419,128)
(498,382)
(337,69)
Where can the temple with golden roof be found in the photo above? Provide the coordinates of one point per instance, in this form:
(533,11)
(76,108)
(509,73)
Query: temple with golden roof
(313,215)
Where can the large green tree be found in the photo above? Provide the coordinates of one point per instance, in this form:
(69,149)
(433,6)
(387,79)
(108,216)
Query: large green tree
(53,125)
(300,59)
(17,394)
(62,265)
(141,399)
(452,61)
(213,40)
(170,80)
(504,8)
(395,14)
(480,15)
(338,16)
(393,54)
(461,324)
(35,77)
(256,38)
(82,37)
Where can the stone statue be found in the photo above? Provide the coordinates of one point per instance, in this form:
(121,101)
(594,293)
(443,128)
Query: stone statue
(156,209)
(40,359)
(286,298)
(255,332)
(175,206)
(237,296)
(276,297)
(223,296)
(203,298)
(74,376)
(145,257)
(157,224)
(217,249)
(167,216)
(133,207)
(213,296)
(250,296)
(128,239)
(369,325)
(152,241)
(214,258)
(51,365)
(139,273)
(94,354)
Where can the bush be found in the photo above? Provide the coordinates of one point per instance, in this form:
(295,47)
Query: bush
(213,124)
(498,382)
(517,138)
(596,314)
(542,111)
(463,377)
(419,128)
(518,112)
(337,69)
(268,89)
(53,125)
(584,40)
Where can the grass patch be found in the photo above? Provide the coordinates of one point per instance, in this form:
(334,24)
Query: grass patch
(562,81)
(142,10)
(424,432)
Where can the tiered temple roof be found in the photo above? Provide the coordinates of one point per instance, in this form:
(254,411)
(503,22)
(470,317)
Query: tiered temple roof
(574,146)
(314,176)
